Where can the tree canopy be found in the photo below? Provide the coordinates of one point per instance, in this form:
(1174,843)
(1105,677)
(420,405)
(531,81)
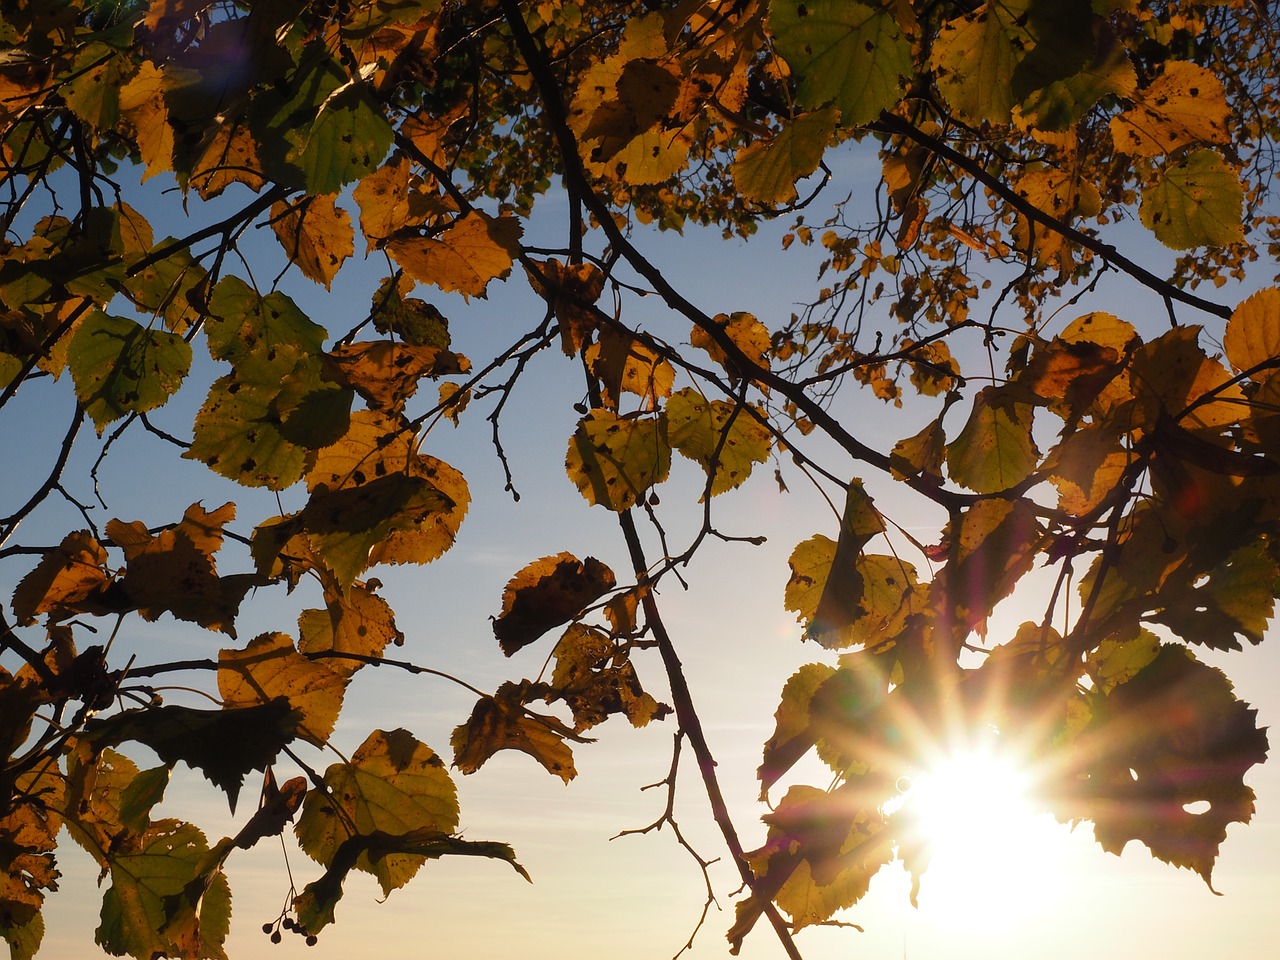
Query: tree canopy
(1124,471)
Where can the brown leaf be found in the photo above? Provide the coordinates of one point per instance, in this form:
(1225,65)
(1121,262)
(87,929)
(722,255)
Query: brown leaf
(65,577)
(501,722)
(547,593)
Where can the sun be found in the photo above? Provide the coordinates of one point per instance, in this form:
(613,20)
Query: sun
(995,862)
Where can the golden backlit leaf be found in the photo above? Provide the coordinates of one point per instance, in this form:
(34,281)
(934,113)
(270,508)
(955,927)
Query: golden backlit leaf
(70,573)
(625,364)
(355,620)
(547,593)
(1186,104)
(571,289)
(270,667)
(386,373)
(316,235)
(1252,338)
(463,259)
(228,155)
(142,103)
(995,450)
(595,678)
(614,461)
(726,440)
(745,332)
(1085,467)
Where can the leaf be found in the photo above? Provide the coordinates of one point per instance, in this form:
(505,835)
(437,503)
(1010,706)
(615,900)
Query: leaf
(165,288)
(596,679)
(502,722)
(993,546)
(386,374)
(547,593)
(143,911)
(120,367)
(625,364)
(721,437)
(613,461)
(316,235)
(745,332)
(839,603)
(571,289)
(846,54)
(394,784)
(1060,105)
(1252,338)
(224,745)
(995,451)
(142,102)
(1085,467)
(1171,735)
(268,668)
(262,336)
(767,171)
(987,62)
(920,455)
(1196,202)
(355,620)
(1186,104)
(1233,600)
(91,88)
(793,735)
(414,321)
(474,250)
(67,575)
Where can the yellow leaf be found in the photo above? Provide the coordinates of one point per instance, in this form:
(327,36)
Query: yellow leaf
(726,440)
(394,784)
(1185,105)
(142,103)
(746,332)
(270,667)
(613,461)
(227,155)
(465,257)
(316,235)
(66,575)
(355,620)
(501,722)
(1252,339)
(624,364)
(386,373)
(571,290)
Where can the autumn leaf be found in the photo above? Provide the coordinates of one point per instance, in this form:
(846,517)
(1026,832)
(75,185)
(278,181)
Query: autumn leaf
(502,722)
(224,745)
(793,734)
(726,440)
(316,235)
(614,460)
(270,667)
(1252,338)
(386,374)
(393,784)
(626,364)
(547,593)
(355,620)
(463,258)
(1184,105)
(595,678)
(571,289)
(67,575)
(995,450)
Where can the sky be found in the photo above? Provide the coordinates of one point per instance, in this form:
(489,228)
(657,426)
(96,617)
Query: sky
(1019,887)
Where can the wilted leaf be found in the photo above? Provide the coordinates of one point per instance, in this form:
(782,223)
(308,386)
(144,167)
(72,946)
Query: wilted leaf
(571,289)
(502,722)
(595,678)
(547,593)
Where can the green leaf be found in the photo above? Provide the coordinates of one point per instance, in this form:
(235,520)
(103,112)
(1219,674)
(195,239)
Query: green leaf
(120,367)
(165,288)
(793,734)
(147,912)
(846,54)
(394,784)
(995,450)
(726,440)
(1198,202)
(261,336)
(989,61)
(767,170)
(614,460)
